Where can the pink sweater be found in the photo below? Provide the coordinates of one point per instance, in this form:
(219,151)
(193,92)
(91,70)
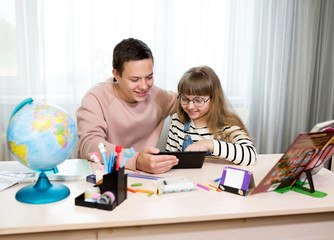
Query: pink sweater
(104,117)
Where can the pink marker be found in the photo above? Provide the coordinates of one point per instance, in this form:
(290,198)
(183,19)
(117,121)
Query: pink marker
(204,187)
(95,157)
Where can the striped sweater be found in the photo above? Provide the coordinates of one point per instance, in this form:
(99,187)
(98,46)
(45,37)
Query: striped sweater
(238,147)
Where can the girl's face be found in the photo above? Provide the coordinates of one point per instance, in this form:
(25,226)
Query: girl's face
(136,80)
(196,107)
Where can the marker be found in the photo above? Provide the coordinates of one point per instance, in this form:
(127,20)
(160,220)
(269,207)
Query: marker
(216,180)
(150,194)
(127,154)
(118,149)
(217,189)
(204,187)
(136,184)
(144,191)
(103,151)
(131,190)
(95,157)
(212,188)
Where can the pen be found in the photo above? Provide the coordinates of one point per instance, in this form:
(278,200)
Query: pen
(114,163)
(103,151)
(118,149)
(127,154)
(111,162)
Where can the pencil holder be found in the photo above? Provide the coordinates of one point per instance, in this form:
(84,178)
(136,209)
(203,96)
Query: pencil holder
(114,182)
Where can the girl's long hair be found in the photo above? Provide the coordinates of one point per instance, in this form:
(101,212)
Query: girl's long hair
(203,81)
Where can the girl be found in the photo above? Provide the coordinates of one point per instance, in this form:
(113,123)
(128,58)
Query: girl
(204,122)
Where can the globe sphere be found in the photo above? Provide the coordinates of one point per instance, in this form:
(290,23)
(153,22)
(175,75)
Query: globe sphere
(40,135)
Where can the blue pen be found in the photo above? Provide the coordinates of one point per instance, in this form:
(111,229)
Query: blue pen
(127,154)
(111,162)
(103,151)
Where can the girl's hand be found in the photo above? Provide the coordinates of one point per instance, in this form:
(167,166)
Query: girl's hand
(202,145)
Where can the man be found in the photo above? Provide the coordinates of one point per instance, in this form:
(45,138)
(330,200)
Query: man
(127,110)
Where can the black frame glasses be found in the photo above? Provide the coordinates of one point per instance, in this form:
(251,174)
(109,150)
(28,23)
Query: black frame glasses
(197,101)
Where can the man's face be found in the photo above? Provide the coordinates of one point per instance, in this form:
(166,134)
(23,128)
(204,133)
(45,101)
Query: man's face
(136,80)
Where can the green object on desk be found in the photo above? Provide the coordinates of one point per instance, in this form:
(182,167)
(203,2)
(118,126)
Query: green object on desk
(306,191)
(298,187)
(136,184)
(283,190)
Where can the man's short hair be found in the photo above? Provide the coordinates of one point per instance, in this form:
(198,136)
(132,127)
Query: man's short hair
(130,50)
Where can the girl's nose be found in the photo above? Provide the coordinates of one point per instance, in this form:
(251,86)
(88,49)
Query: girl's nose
(191,105)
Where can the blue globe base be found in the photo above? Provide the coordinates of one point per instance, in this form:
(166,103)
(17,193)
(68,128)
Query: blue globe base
(42,192)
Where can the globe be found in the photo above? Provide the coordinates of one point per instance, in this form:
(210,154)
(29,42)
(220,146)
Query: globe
(41,136)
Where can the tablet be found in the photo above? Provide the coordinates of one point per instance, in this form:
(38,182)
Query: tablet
(188,159)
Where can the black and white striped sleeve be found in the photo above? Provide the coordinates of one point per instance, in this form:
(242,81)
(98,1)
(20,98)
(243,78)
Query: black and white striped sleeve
(175,135)
(239,148)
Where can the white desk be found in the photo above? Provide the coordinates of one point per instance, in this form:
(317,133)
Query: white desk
(189,215)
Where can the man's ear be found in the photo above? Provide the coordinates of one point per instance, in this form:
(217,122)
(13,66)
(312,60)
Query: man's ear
(116,74)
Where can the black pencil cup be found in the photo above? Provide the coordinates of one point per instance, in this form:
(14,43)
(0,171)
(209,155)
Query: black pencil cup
(115,182)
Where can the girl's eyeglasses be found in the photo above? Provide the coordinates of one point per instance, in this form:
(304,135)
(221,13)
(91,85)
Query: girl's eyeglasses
(197,101)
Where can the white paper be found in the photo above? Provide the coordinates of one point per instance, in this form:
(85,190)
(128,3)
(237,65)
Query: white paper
(12,172)
(234,178)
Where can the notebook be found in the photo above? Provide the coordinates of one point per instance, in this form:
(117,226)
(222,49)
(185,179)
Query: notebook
(12,172)
(188,159)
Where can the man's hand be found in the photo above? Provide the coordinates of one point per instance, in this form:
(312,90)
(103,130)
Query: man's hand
(150,163)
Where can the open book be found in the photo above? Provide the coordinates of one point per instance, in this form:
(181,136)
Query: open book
(324,126)
(309,151)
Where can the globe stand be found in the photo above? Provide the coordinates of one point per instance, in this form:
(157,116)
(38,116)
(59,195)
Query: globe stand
(42,192)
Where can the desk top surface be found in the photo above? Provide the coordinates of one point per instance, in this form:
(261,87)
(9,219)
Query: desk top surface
(139,209)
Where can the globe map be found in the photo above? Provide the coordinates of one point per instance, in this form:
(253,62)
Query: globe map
(40,135)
